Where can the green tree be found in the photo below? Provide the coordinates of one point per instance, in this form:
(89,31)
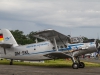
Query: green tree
(24,39)
(19,36)
(31,37)
(84,38)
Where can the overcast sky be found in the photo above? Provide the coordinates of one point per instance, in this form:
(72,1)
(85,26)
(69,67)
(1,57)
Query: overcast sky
(75,17)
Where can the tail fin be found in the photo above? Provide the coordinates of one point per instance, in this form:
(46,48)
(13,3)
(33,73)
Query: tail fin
(7,37)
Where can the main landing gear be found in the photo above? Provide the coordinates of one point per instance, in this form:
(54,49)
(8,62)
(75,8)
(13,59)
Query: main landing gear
(77,64)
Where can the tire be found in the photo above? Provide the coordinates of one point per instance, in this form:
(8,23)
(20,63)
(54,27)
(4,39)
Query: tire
(81,65)
(75,65)
(11,62)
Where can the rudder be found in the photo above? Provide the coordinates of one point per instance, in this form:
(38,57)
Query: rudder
(7,37)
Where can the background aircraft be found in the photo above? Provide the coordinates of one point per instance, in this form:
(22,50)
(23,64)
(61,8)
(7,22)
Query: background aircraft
(54,46)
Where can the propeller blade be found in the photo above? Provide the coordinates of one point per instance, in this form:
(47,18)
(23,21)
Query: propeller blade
(97,46)
(96,43)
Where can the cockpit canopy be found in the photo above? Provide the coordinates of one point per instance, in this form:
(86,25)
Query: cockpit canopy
(76,40)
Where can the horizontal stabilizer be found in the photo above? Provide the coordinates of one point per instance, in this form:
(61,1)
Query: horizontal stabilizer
(5,45)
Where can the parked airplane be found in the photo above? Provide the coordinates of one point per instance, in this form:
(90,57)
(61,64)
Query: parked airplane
(54,46)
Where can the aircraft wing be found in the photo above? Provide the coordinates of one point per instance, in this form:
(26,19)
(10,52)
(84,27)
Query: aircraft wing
(49,34)
(5,45)
(57,55)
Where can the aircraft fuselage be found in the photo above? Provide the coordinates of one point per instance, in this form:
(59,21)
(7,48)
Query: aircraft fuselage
(38,50)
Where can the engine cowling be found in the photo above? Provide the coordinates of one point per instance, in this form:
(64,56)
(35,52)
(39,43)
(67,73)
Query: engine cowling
(85,51)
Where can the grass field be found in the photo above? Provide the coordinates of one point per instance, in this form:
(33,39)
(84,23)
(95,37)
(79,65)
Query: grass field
(49,63)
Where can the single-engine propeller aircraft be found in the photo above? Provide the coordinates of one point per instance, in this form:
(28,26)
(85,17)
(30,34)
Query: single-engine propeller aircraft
(54,46)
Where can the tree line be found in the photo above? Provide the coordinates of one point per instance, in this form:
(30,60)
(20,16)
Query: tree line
(23,39)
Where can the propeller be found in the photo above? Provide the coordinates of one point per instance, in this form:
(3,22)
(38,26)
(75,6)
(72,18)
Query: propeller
(97,45)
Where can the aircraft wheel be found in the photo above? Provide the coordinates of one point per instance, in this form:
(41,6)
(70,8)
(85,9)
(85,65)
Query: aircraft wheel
(81,65)
(11,62)
(75,65)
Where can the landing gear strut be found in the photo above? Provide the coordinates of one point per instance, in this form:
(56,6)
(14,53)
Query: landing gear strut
(77,64)
(11,62)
